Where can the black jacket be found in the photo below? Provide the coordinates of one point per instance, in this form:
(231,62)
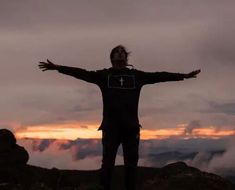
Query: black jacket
(120,91)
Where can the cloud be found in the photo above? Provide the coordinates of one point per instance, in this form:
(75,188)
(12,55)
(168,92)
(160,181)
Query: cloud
(226,108)
(41,145)
(218,46)
(162,35)
(49,104)
(84,126)
(213,155)
(82,148)
(224,164)
(192,125)
(85,13)
(53,157)
(148,147)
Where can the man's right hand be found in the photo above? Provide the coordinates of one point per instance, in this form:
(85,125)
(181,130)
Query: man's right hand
(44,66)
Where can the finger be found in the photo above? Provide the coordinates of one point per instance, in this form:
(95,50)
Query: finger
(196,72)
(41,65)
(49,61)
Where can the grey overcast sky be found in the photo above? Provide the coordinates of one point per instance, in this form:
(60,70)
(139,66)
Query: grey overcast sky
(162,35)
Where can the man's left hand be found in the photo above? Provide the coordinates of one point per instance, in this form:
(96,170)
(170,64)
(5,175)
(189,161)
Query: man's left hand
(192,74)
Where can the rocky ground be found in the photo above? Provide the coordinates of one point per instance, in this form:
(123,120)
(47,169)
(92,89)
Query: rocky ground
(176,176)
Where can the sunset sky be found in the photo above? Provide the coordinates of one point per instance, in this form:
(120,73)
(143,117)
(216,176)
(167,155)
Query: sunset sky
(162,35)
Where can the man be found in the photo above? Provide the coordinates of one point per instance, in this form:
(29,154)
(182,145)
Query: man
(120,87)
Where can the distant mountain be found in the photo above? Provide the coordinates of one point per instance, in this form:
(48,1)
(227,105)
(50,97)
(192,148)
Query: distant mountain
(161,159)
(176,176)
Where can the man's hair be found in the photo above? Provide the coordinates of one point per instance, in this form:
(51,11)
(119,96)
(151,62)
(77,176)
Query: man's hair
(119,46)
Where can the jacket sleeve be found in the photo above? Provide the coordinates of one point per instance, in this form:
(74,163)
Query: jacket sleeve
(154,77)
(88,76)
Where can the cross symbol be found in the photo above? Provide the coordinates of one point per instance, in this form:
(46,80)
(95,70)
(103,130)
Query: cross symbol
(121,81)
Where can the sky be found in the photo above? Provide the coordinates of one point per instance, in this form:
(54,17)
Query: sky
(162,35)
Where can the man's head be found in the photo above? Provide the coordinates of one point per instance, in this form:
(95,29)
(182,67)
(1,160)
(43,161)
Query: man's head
(119,57)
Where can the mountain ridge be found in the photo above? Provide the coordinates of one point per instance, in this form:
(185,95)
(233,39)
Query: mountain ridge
(175,176)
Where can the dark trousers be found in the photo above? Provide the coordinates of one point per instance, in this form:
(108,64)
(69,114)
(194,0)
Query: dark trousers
(111,139)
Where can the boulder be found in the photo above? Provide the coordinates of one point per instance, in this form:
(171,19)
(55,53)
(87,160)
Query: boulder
(10,152)
(7,140)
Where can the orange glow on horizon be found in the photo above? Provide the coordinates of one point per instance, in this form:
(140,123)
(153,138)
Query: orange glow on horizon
(75,130)
(161,133)
(66,131)
(212,132)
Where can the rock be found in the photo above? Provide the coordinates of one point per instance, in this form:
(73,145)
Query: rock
(176,176)
(16,155)
(10,152)
(179,176)
(7,140)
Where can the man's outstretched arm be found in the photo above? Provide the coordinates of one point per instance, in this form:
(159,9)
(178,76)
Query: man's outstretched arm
(89,76)
(154,77)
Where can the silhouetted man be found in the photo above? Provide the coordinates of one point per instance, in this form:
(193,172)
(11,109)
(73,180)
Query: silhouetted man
(120,87)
